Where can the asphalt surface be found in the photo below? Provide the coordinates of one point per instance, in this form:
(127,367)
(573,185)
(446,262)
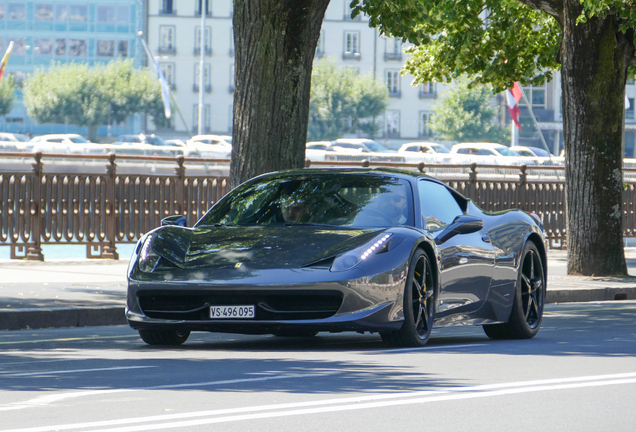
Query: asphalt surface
(77,293)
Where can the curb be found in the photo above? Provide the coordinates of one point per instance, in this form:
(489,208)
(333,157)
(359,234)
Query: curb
(24,319)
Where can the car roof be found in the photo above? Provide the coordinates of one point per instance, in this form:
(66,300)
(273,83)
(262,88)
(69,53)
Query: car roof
(484,145)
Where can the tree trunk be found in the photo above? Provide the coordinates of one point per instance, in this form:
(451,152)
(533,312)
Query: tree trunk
(275,44)
(595,57)
(92,133)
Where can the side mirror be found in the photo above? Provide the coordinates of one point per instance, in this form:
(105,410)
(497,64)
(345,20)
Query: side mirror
(178,220)
(461,225)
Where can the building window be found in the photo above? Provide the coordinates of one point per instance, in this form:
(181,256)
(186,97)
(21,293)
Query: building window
(1,10)
(168,72)
(393,82)
(536,96)
(197,41)
(206,118)
(78,13)
(207,86)
(208,12)
(393,49)
(231,79)
(427,90)
(426,119)
(320,46)
(122,48)
(16,11)
(60,13)
(60,47)
(19,46)
(77,47)
(629,108)
(106,14)
(352,45)
(166,39)
(123,14)
(43,46)
(232,42)
(393,124)
(347,12)
(352,71)
(43,12)
(106,48)
(167,8)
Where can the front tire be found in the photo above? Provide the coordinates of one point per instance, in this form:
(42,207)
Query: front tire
(527,307)
(157,337)
(419,305)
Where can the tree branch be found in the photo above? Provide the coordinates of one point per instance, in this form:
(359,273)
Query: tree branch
(551,7)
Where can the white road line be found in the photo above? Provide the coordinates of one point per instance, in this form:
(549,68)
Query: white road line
(41,373)
(47,400)
(344,404)
(424,348)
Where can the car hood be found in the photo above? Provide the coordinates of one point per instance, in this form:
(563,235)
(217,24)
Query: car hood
(258,247)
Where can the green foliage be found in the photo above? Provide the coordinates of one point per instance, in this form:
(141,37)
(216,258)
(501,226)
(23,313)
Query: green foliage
(87,95)
(494,41)
(343,102)
(7,94)
(465,114)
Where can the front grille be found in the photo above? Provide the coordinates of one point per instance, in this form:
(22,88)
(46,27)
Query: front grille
(272,307)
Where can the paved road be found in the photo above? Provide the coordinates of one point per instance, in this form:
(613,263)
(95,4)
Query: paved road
(579,374)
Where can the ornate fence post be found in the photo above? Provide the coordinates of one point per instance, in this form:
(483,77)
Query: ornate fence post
(180,206)
(34,250)
(472,177)
(110,250)
(522,193)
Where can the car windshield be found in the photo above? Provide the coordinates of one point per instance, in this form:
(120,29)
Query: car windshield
(440,148)
(155,140)
(505,151)
(376,147)
(21,138)
(322,199)
(77,139)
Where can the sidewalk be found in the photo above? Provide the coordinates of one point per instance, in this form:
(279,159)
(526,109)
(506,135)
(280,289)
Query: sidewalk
(70,293)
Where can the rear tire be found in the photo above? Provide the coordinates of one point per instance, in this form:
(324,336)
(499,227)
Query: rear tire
(419,305)
(157,337)
(527,307)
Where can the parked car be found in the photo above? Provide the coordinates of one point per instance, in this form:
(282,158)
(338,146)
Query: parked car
(142,144)
(428,152)
(13,142)
(317,145)
(423,147)
(531,151)
(209,146)
(298,252)
(64,144)
(492,153)
(354,149)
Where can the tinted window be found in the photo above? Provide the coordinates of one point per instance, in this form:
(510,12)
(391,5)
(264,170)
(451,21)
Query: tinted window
(440,149)
(332,199)
(376,147)
(78,139)
(439,206)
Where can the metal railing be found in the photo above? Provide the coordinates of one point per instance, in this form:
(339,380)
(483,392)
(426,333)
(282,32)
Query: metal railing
(100,205)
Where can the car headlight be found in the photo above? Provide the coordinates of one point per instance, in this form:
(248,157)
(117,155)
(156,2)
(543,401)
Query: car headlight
(352,258)
(148,258)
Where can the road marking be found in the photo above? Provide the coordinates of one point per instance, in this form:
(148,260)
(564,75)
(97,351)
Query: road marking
(49,399)
(25,374)
(343,404)
(427,348)
(66,339)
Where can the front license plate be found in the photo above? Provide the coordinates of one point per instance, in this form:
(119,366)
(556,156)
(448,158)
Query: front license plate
(229,312)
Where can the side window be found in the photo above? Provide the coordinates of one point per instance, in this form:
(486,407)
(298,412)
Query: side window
(439,206)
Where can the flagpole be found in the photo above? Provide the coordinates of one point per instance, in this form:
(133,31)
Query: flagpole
(201,67)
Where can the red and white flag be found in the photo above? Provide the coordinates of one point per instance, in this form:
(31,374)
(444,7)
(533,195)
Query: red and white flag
(5,59)
(513,96)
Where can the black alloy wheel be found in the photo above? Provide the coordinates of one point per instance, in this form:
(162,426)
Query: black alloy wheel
(164,337)
(527,308)
(419,305)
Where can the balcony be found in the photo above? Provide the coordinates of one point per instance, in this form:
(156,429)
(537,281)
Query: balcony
(392,56)
(167,50)
(167,11)
(207,88)
(208,14)
(395,94)
(208,51)
(430,94)
(351,56)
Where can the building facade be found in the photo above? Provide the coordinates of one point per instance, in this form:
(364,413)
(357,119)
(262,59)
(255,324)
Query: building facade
(66,31)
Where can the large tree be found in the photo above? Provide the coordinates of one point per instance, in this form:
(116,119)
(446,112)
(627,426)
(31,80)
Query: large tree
(275,44)
(465,113)
(91,95)
(501,41)
(343,102)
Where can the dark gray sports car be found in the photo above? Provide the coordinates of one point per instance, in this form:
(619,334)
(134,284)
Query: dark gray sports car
(295,253)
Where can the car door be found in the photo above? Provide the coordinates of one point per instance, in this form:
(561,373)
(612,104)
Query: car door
(466,260)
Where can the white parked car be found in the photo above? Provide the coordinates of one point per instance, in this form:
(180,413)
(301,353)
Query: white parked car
(492,154)
(209,146)
(355,149)
(427,152)
(65,144)
(12,142)
(141,144)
